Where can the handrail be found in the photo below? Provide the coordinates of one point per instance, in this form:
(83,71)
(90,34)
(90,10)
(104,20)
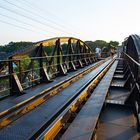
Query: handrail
(43,57)
(132,59)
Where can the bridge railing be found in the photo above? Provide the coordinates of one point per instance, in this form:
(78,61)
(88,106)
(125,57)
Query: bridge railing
(134,66)
(19,74)
(134,98)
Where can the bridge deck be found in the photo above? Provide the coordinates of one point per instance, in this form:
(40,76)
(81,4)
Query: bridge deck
(118,95)
(85,122)
(118,82)
(27,125)
(117,122)
(103,116)
(11,101)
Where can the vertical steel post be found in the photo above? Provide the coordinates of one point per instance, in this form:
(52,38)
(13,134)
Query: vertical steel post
(44,77)
(41,63)
(69,51)
(15,85)
(78,53)
(20,78)
(58,54)
(10,68)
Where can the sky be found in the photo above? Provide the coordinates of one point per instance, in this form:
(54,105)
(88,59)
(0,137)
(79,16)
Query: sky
(35,20)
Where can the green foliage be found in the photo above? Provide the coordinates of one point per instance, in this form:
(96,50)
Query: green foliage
(49,49)
(25,64)
(114,43)
(14,46)
(97,43)
(4,83)
(101,43)
(64,46)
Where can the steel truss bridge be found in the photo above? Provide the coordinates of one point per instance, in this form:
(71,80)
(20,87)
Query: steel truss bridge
(57,89)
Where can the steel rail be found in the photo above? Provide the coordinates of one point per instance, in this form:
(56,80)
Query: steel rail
(23,107)
(50,129)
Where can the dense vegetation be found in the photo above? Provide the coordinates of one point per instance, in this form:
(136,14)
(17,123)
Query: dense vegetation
(102,44)
(13,46)
(5,50)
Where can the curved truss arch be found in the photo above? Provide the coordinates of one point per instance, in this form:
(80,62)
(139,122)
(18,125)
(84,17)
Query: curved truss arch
(52,42)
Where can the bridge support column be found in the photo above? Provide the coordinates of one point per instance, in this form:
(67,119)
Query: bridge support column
(71,56)
(60,67)
(78,54)
(15,85)
(43,71)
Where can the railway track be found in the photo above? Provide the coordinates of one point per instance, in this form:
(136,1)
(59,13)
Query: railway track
(56,110)
(108,113)
(96,106)
(60,119)
(16,111)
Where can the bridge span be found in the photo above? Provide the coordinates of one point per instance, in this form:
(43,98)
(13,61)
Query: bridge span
(57,89)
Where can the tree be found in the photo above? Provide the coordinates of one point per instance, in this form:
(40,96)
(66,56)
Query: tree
(101,43)
(12,47)
(114,43)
